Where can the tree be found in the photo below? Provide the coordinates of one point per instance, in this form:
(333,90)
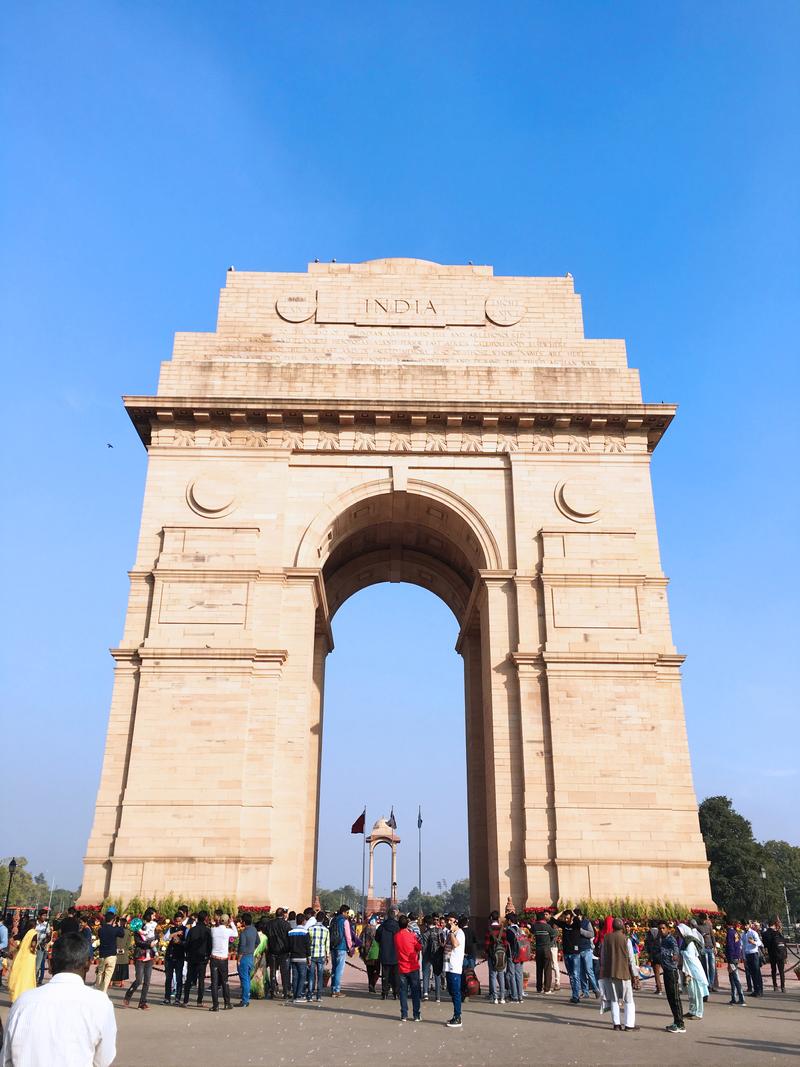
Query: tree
(332,899)
(783,869)
(737,860)
(29,892)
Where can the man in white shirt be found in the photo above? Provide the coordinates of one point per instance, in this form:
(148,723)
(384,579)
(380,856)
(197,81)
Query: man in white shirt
(751,949)
(64,1022)
(221,933)
(454,965)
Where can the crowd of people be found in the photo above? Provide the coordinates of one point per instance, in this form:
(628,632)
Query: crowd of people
(296,956)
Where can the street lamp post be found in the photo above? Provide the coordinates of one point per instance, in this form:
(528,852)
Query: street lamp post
(11,868)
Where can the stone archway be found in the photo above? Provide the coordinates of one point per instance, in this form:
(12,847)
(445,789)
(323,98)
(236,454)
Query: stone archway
(428,536)
(405,421)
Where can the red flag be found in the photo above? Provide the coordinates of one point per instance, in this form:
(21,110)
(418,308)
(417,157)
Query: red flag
(360,823)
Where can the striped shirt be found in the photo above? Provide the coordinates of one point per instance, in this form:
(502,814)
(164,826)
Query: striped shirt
(320,939)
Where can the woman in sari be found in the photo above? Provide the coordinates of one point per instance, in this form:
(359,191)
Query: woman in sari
(23,970)
(697,987)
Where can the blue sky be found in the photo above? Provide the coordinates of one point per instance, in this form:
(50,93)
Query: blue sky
(651,150)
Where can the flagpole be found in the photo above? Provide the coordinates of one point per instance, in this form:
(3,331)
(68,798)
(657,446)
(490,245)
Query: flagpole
(363,862)
(419,831)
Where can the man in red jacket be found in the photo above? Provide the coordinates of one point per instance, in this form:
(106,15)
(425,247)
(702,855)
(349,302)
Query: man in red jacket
(408,947)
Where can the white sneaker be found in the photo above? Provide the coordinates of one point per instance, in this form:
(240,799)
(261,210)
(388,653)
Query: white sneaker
(502,1001)
(495,1000)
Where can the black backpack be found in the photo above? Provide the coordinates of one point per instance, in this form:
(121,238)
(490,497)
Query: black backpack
(335,932)
(498,954)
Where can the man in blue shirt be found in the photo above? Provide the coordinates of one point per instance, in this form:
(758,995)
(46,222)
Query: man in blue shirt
(670,967)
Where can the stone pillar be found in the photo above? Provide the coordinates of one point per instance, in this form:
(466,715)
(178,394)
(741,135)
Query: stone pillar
(470,647)
(502,739)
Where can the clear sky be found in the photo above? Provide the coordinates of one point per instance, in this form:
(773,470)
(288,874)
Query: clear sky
(650,149)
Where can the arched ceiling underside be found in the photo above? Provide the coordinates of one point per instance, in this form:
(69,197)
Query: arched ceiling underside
(402,537)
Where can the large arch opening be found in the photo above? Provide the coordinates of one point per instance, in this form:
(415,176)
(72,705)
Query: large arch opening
(394,735)
(432,539)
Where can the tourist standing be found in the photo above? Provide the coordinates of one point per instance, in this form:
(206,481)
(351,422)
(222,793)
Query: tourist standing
(221,933)
(454,965)
(751,946)
(174,959)
(245,955)
(319,941)
(705,928)
(733,957)
(470,943)
(670,966)
(110,934)
(697,981)
(775,944)
(652,946)
(22,976)
(370,953)
(42,941)
(144,938)
(65,1021)
(556,980)
(618,971)
(407,947)
(388,954)
(432,959)
(341,946)
(544,937)
(588,977)
(278,947)
(496,948)
(198,953)
(514,965)
(300,956)
(572,940)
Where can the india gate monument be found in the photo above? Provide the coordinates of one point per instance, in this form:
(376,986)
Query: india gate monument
(398,421)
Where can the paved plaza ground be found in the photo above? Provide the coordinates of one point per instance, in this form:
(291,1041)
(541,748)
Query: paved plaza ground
(362,1031)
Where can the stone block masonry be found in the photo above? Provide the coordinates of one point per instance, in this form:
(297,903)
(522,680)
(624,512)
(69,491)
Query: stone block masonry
(398,420)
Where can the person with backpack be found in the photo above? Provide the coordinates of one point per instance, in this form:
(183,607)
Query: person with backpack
(388,954)
(370,953)
(432,958)
(518,953)
(341,943)
(278,948)
(775,944)
(496,952)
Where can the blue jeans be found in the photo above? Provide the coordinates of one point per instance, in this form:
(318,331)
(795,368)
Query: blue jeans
(315,977)
(299,977)
(497,983)
(752,964)
(245,968)
(587,972)
(409,983)
(572,961)
(338,956)
(710,966)
(454,989)
(429,977)
(514,980)
(736,986)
